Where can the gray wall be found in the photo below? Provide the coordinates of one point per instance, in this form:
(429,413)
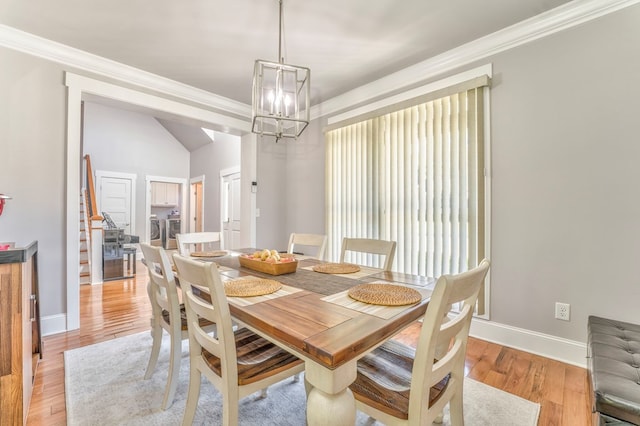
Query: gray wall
(223,153)
(32,167)
(565,177)
(565,154)
(272,197)
(132,142)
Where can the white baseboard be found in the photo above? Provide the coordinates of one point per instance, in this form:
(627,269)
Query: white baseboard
(568,351)
(53,324)
(546,345)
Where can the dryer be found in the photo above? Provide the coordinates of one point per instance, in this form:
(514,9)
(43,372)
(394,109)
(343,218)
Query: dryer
(155,231)
(172,228)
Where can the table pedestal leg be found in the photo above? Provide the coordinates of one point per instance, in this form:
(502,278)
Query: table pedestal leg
(330,401)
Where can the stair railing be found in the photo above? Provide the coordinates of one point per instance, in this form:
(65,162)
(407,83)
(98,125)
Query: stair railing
(94,226)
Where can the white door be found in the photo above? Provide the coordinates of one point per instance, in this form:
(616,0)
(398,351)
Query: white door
(116,200)
(230,202)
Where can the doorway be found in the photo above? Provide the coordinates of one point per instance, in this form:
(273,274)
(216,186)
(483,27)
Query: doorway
(196,205)
(230,207)
(80,87)
(165,200)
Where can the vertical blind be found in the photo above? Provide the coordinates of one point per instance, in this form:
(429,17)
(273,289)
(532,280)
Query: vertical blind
(414,176)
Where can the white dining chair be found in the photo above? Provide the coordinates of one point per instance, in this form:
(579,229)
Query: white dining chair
(238,363)
(198,241)
(168,314)
(318,241)
(370,246)
(398,385)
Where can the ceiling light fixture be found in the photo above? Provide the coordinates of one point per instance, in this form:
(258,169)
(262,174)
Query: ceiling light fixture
(281,95)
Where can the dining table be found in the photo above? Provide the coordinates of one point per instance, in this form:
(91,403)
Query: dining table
(313,317)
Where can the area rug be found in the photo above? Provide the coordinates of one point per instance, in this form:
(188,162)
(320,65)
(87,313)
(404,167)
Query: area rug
(104,385)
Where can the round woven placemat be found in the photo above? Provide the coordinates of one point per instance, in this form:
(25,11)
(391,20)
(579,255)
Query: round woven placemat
(385,294)
(336,268)
(215,253)
(251,287)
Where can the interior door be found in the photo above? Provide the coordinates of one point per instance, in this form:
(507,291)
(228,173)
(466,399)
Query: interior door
(115,199)
(196,224)
(231,210)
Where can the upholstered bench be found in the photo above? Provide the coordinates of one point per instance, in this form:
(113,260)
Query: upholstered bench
(614,370)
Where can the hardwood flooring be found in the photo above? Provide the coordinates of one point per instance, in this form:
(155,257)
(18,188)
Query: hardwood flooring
(121,307)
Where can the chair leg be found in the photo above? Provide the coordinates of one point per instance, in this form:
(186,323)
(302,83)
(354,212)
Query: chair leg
(455,410)
(156,334)
(193,395)
(174,371)
(263,393)
(296,378)
(230,409)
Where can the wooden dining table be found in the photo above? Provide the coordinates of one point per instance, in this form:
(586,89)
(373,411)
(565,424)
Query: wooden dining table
(312,317)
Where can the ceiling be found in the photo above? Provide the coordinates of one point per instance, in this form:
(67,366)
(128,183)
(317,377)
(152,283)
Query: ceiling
(212,45)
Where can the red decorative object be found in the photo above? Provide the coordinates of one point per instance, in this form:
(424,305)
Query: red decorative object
(3,198)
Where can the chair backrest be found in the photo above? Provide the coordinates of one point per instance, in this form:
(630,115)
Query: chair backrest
(193,274)
(194,241)
(366,245)
(162,289)
(310,240)
(444,337)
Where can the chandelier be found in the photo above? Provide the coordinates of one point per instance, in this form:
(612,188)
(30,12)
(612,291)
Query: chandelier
(281,93)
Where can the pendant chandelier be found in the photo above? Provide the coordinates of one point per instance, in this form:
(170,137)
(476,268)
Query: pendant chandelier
(281,95)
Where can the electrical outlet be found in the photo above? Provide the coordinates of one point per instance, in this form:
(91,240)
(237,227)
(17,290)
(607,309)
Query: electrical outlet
(563,311)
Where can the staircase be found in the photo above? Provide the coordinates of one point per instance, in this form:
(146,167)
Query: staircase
(85,265)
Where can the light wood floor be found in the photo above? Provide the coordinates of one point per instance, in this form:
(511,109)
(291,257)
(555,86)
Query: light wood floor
(118,308)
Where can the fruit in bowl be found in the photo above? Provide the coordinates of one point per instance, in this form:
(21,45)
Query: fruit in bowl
(270,256)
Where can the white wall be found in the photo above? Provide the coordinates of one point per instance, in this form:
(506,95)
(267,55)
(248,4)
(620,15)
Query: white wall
(223,153)
(131,142)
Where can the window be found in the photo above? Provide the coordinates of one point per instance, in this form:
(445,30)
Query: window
(415,176)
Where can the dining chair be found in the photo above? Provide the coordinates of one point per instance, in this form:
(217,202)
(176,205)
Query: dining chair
(309,240)
(372,246)
(237,362)
(399,385)
(197,241)
(167,314)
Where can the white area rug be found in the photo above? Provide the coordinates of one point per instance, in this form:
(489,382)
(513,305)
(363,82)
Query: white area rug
(105,386)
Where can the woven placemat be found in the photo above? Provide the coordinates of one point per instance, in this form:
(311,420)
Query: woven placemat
(251,287)
(385,294)
(336,268)
(215,253)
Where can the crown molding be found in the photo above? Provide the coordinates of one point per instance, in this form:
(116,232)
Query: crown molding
(561,18)
(79,59)
(555,20)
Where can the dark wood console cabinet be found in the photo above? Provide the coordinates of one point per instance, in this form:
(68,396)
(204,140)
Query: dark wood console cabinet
(20,343)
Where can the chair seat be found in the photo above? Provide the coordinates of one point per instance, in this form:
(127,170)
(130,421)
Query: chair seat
(257,358)
(384,379)
(183,318)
